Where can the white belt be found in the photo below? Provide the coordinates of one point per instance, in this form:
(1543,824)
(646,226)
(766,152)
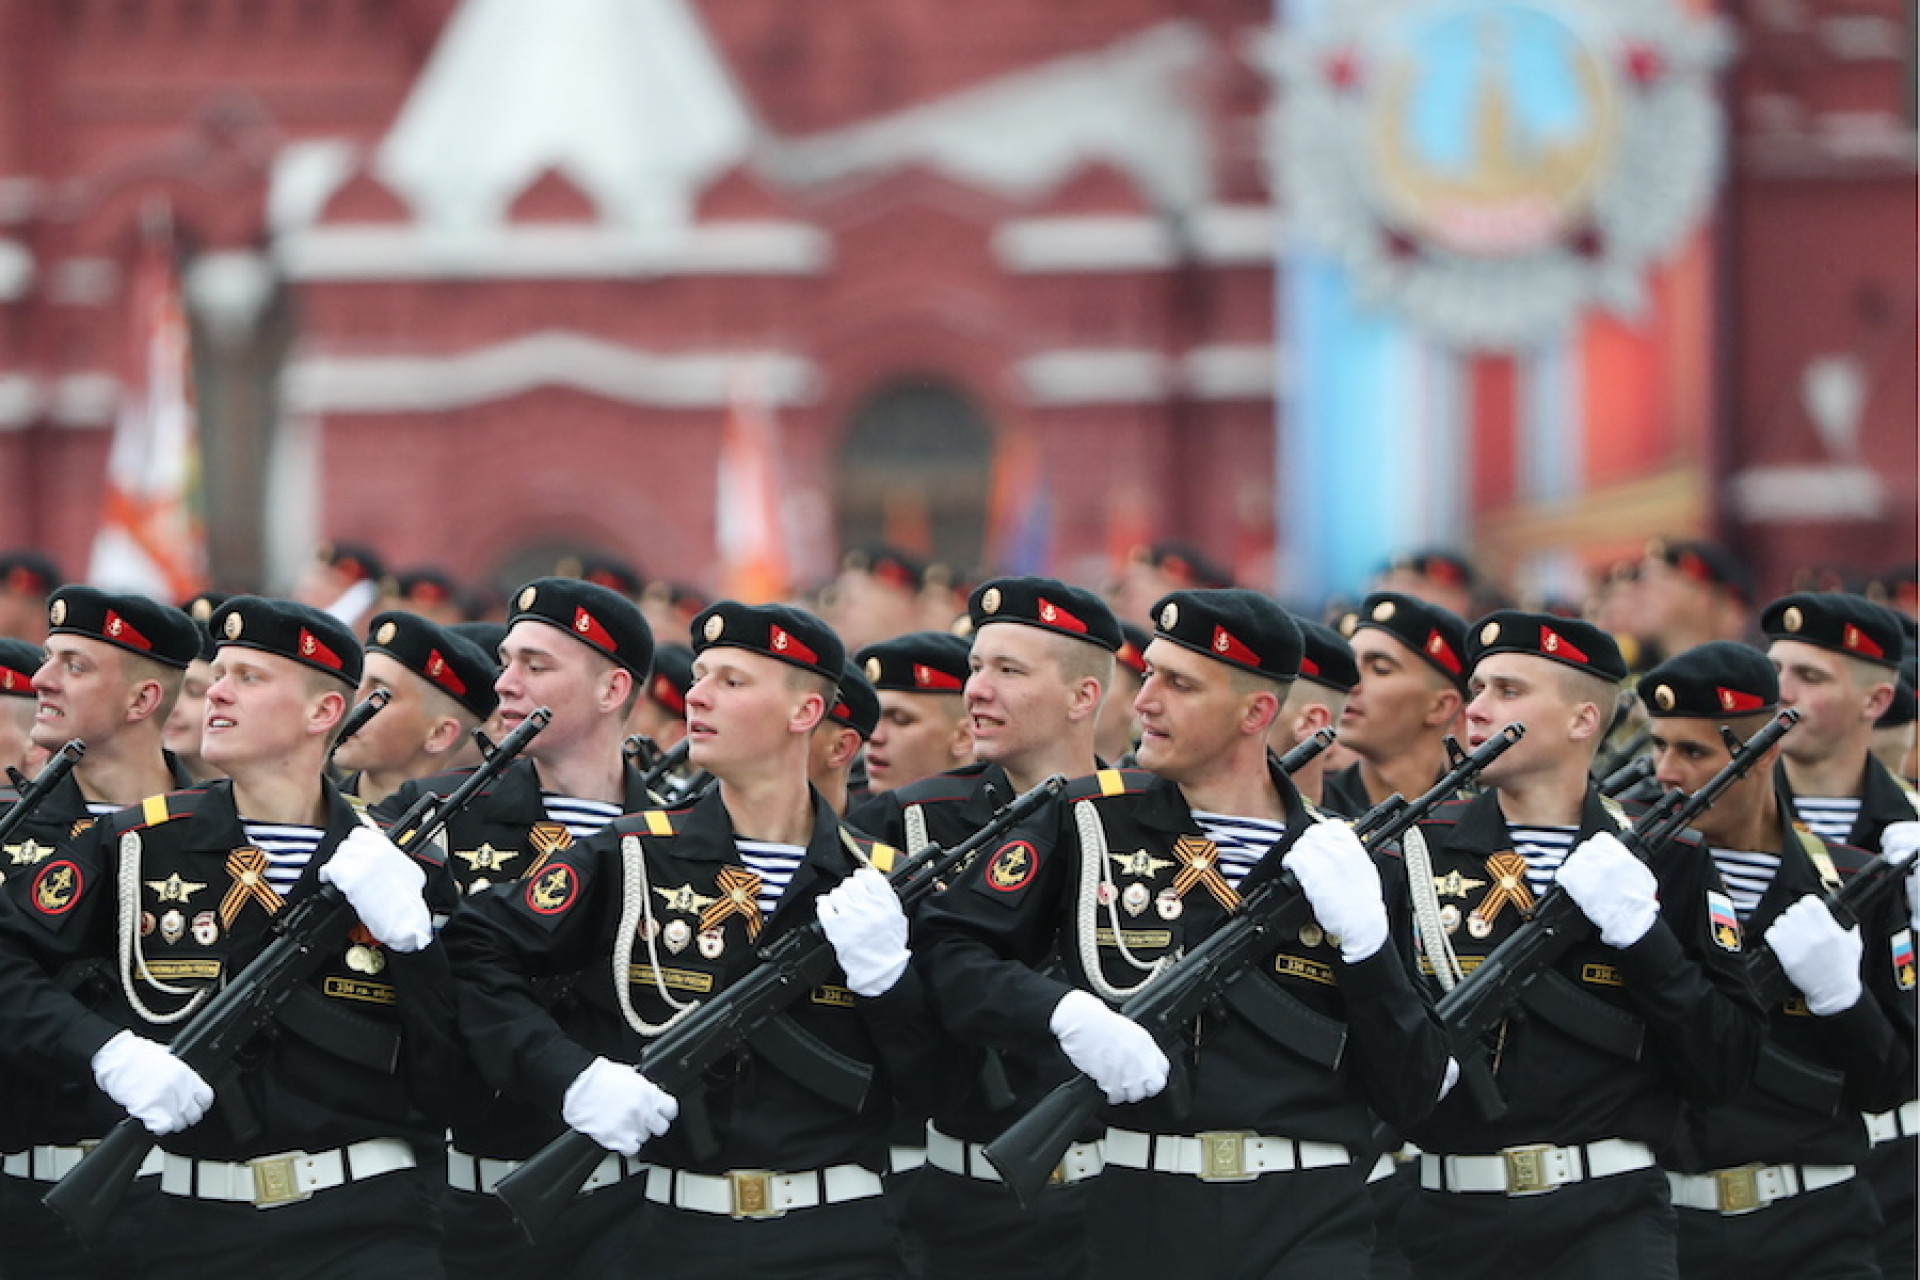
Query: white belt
(760,1193)
(1533,1170)
(1885,1126)
(50,1164)
(1752,1187)
(284,1178)
(1383,1168)
(481,1174)
(969,1160)
(1222,1156)
(905,1159)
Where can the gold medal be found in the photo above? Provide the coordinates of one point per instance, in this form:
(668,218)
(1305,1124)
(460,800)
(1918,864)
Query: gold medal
(1312,935)
(676,935)
(362,958)
(172,925)
(1167,903)
(1450,918)
(1478,925)
(1133,899)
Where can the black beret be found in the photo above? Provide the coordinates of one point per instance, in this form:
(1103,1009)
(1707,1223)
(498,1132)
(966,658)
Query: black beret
(1048,604)
(485,636)
(672,677)
(300,632)
(1326,657)
(858,706)
(449,663)
(677,596)
(774,630)
(350,558)
(1438,635)
(18,661)
(1715,679)
(201,609)
(1905,707)
(1706,563)
(890,565)
(1448,568)
(918,662)
(422,586)
(1184,562)
(1568,641)
(603,571)
(134,623)
(1849,624)
(598,617)
(1238,627)
(1133,648)
(29,572)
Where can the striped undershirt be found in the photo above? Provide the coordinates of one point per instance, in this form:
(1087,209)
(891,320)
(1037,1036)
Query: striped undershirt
(99,810)
(288,848)
(774,864)
(1747,876)
(581,818)
(1544,848)
(1829,817)
(1241,842)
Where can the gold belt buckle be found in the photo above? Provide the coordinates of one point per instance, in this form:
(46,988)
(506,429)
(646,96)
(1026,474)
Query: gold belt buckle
(753,1193)
(274,1182)
(1527,1169)
(1737,1190)
(1223,1156)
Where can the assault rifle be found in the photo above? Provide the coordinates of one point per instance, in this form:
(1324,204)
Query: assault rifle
(1303,752)
(35,791)
(790,966)
(1508,974)
(209,1042)
(357,718)
(1220,968)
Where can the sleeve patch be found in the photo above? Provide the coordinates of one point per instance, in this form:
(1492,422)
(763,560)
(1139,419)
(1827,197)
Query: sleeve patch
(553,890)
(1724,925)
(1903,970)
(57,887)
(1013,867)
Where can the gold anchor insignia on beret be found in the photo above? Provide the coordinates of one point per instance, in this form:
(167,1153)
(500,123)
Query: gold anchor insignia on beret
(234,626)
(1551,642)
(715,625)
(202,610)
(308,644)
(385,635)
(1792,619)
(583,623)
(526,599)
(1169,616)
(1046,611)
(990,600)
(115,626)
(57,614)
(1349,623)
(1726,699)
(1383,611)
(436,664)
(1663,697)
(873,668)
(1490,633)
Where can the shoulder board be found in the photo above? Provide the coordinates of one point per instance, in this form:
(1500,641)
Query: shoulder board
(156,810)
(941,787)
(1109,782)
(647,822)
(882,857)
(1447,812)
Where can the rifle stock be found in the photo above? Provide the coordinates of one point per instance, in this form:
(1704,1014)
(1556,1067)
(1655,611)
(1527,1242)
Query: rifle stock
(676,1060)
(88,1195)
(1028,1151)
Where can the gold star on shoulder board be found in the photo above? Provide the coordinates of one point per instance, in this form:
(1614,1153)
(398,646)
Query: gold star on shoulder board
(684,900)
(1455,885)
(1140,864)
(487,858)
(174,889)
(28,852)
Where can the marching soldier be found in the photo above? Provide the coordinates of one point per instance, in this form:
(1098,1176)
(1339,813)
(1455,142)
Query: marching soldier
(584,652)
(1118,731)
(1411,657)
(1838,658)
(1316,701)
(761,1175)
(27,578)
(838,739)
(18,703)
(923,729)
(660,714)
(186,723)
(177,895)
(440,689)
(1261,1171)
(1565,1183)
(1767,1181)
(1687,594)
(342,578)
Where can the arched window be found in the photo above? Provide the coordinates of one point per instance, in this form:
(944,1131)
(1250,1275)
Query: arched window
(915,471)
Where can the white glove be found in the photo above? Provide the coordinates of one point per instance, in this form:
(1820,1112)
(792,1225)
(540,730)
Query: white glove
(1612,888)
(157,1089)
(863,920)
(384,886)
(1343,886)
(1819,957)
(617,1107)
(1112,1049)
(1899,842)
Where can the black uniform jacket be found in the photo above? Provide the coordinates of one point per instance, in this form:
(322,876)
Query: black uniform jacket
(694,938)
(1343,793)
(62,817)
(1005,943)
(368,1036)
(1684,981)
(1883,801)
(1863,1053)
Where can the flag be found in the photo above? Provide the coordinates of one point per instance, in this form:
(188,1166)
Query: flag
(748,515)
(1020,510)
(152,538)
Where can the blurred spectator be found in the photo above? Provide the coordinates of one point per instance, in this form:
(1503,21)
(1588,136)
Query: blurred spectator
(1153,571)
(344,579)
(27,578)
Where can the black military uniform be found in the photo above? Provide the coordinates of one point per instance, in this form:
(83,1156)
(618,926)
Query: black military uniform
(762,1174)
(1064,908)
(1565,1183)
(500,837)
(323,1123)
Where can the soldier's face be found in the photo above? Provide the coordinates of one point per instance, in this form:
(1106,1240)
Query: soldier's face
(1509,687)
(260,707)
(542,666)
(82,690)
(1835,705)
(1687,752)
(742,710)
(1190,712)
(181,734)
(398,734)
(919,735)
(1017,696)
(1394,701)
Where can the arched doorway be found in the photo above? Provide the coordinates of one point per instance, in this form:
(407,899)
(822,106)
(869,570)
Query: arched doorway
(915,471)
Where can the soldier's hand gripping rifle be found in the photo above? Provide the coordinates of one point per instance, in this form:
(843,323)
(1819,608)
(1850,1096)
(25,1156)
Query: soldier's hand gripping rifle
(1863,897)
(356,720)
(33,793)
(1475,1007)
(790,966)
(209,1042)
(1219,968)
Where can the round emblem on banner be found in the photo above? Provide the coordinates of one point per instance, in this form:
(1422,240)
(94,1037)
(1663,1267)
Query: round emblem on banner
(58,614)
(234,626)
(990,600)
(1663,697)
(385,634)
(1169,615)
(1383,611)
(715,625)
